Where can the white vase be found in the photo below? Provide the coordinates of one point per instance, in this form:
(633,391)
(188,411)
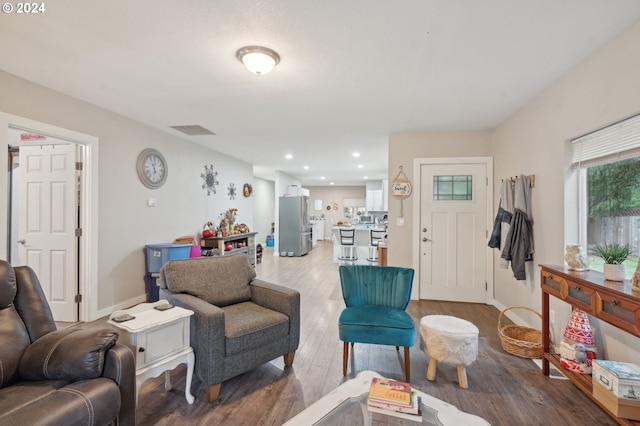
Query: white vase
(576,258)
(613,272)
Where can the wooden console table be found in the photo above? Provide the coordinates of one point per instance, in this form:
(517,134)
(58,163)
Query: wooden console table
(610,301)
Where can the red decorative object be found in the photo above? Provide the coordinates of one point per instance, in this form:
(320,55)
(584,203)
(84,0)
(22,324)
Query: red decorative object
(578,347)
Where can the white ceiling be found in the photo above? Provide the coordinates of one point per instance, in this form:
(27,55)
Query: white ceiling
(351,71)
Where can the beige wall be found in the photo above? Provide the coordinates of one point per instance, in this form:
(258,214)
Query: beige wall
(602,89)
(330,195)
(403,149)
(126,224)
(599,91)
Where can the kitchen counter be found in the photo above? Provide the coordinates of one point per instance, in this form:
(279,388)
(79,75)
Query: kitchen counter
(363,239)
(363,236)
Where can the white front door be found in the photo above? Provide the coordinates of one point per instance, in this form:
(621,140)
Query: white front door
(453,232)
(48,221)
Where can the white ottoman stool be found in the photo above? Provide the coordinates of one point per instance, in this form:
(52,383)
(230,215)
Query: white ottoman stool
(450,340)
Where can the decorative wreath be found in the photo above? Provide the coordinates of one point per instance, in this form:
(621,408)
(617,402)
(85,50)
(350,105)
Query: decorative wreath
(247,190)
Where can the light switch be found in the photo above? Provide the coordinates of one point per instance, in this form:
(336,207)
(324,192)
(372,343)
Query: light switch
(400,221)
(151,202)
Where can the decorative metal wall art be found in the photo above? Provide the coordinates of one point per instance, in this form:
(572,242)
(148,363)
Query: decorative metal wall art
(210,178)
(231,191)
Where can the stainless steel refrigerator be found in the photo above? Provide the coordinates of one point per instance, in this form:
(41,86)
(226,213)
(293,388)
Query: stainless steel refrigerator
(295,226)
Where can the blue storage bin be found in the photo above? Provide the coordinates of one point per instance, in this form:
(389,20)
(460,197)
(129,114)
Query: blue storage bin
(159,254)
(269,242)
(153,291)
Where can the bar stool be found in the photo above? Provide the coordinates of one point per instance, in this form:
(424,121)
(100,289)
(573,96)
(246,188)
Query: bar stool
(376,237)
(348,245)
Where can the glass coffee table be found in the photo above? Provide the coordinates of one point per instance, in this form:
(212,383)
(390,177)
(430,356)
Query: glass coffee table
(347,405)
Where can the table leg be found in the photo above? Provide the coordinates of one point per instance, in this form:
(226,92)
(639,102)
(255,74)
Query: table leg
(431,369)
(462,376)
(167,380)
(187,387)
(545,332)
(366,414)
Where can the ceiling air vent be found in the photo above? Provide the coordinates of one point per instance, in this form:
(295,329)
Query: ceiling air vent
(193,130)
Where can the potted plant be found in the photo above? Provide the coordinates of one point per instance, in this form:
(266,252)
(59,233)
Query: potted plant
(613,255)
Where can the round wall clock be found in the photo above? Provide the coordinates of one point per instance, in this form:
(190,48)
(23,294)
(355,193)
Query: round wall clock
(152,168)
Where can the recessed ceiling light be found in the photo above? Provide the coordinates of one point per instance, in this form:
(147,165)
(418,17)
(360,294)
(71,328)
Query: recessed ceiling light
(306,167)
(288,156)
(322,177)
(332,183)
(360,166)
(365,177)
(356,154)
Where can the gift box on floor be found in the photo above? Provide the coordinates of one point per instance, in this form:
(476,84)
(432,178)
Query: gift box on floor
(621,407)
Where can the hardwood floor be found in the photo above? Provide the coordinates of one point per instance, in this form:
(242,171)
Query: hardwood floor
(503,389)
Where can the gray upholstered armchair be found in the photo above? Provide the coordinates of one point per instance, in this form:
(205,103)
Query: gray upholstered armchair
(239,322)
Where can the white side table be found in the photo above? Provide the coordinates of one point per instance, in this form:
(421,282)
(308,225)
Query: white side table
(161,342)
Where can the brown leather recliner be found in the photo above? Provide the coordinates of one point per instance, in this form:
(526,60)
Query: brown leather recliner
(78,375)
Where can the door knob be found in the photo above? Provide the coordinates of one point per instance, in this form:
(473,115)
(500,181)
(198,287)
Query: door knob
(23,242)
(425,239)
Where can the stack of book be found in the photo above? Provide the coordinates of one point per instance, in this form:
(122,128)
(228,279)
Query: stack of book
(394,398)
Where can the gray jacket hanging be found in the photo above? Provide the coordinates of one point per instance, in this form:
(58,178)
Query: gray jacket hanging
(518,247)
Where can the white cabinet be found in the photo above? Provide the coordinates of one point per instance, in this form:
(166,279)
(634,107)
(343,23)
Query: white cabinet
(374,200)
(385,195)
(375,196)
(317,227)
(160,339)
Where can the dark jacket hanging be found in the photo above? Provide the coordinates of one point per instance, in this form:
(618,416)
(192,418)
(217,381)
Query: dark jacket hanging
(518,247)
(504,215)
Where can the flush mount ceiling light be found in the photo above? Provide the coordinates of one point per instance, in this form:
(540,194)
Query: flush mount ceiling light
(259,60)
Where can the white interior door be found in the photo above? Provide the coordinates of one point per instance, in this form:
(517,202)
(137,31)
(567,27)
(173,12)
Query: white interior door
(453,232)
(47,223)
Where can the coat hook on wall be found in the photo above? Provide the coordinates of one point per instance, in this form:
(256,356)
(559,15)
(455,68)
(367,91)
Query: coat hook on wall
(532,180)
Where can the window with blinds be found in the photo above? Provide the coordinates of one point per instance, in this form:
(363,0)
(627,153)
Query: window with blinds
(616,142)
(608,165)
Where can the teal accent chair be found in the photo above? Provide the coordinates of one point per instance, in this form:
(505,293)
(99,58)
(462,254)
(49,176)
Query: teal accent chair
(376,299)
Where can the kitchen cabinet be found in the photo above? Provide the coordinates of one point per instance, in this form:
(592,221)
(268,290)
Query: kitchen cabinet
(375,196)
(374,200)
(385,195)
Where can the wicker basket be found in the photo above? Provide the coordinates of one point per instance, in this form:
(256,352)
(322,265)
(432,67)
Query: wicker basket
(521,341)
